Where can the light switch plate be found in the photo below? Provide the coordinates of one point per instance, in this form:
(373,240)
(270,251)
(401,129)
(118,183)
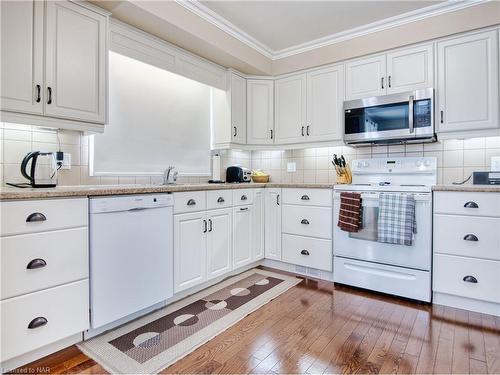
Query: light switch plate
(495,163)
(291,167)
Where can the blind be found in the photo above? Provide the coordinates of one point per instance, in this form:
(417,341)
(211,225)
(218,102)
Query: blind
(156,119)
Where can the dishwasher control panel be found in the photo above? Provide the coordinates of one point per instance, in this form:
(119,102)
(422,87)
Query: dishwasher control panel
(130,202)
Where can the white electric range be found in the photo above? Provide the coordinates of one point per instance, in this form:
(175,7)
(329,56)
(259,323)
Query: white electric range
(360,260)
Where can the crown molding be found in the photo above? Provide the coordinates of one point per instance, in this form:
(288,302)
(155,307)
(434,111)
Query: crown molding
(223,24)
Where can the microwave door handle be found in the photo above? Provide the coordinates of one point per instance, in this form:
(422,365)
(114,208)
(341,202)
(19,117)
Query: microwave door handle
(410,114)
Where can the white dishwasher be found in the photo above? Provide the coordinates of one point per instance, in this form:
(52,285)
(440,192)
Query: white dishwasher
(131,255)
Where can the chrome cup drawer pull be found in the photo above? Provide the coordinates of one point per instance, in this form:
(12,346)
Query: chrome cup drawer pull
(37,322)
(304,221)
(470,279)
(471,205)
(191,202)
(220,200)
(471,237)
(36,263)
(304,252)
(305,197)
(36,217)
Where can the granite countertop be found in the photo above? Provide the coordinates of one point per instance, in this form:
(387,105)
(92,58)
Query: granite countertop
(10,193)
(468,188)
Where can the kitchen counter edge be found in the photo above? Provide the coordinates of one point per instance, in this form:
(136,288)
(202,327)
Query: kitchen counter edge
(7,193)
(468,188)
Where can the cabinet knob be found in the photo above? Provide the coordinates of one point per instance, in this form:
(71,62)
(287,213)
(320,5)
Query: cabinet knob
(36,263)
(49,95)
(191,202)
(38,93)
(35,217)
(37,322)
(304,221)
(305,197)
(244,197)
(471,237)
(220,200)
(471,204)
(235,131)
(244,209)
(205,228)
(470,279)
(304,252)
(302,131)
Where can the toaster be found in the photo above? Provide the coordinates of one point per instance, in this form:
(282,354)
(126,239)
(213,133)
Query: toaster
(238,174)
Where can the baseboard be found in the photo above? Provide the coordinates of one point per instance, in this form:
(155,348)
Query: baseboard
(26,358)
(300,270)
(464,303)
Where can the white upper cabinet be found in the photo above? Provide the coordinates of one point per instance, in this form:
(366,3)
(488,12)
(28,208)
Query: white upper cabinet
(260,111)
(75,64)
(325,97)
(22,56)
(410,69)
(467,90)
(238,109)
(290,109)
(365,77)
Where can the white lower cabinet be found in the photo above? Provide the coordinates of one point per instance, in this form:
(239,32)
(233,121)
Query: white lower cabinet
(308,252)
(190,244)
(273,224)
(258,224)
(219,242)
(466,267)
(242,235)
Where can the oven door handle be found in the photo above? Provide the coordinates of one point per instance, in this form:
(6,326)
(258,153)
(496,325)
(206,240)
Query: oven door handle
(410,114)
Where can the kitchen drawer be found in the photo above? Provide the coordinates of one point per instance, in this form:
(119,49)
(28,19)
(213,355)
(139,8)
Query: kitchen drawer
(450,271)
(477,237)
(307,221)
(31,216)
(65,308)
(467,203)
(308,252)
(64,252)
(308,197)
(242,197)
(399,281)
(190,201)
(219,199)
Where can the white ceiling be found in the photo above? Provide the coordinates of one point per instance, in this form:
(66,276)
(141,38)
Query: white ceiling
(280,25)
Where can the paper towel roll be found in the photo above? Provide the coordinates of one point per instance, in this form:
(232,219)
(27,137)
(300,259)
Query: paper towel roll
(216,167)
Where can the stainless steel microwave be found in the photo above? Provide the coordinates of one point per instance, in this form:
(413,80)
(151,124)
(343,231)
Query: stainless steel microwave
(404,117)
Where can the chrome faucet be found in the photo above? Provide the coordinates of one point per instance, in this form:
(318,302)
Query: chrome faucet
(170,176)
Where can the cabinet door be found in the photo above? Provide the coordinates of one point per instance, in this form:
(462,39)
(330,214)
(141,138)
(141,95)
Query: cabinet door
(290,109)
(410,69)
(219,242)
(468,83)
(22,56)
(365,78)
(258,225)
(190,246)
(273,224)
(260,112)
(75,68)
(238,108)
(242,236)
(325,97)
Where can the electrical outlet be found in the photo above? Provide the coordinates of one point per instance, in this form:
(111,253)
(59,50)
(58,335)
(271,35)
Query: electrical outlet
(291,167)
(495,163)
(64,160)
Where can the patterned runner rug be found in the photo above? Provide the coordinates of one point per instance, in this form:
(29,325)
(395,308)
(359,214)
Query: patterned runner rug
(152,343)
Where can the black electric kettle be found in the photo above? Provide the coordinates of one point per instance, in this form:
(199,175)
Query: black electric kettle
(43,170)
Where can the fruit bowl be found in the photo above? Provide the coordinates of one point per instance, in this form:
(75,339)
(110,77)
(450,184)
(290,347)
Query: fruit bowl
(260,178)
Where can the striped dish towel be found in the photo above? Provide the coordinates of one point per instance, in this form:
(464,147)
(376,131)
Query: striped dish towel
(396,219)
(350,212)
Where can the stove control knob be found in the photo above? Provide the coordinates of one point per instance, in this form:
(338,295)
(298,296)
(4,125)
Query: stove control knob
(419,163)
(359,165)
(427,163)
(366,164)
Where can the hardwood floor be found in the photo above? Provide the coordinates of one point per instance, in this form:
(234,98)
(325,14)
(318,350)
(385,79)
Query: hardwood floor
(317,327)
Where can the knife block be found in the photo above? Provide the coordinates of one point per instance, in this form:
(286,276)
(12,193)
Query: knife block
(345,176)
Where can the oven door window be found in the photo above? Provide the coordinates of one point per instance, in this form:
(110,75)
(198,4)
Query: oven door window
(375,119)
(369,231)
